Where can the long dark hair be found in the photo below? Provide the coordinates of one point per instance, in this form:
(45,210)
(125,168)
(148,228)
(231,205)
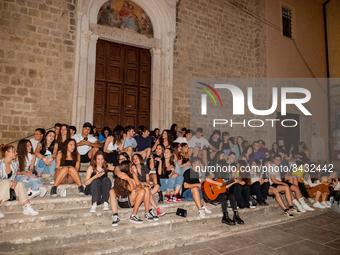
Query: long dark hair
(171,160)
(174,148)
(289,147)
(22,153)
(121,186)
(68,134)
(238,146)
(173,131)
(94,161)
(74,154)
(170,137)
(44,143)
(216,158)
(117,134)
(104,129)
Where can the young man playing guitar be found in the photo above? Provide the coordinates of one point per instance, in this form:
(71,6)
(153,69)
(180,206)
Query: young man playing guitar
(192,187)
(224,176)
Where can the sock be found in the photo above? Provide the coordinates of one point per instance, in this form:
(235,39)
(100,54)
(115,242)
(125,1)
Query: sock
(291,207)
(150,210)
(295,202)
(286,210)
(115,214)
(302,201)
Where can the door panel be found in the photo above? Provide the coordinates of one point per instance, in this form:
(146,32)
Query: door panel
(122,86)
(290,135)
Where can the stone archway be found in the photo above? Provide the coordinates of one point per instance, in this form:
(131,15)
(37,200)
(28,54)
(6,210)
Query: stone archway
(162,14)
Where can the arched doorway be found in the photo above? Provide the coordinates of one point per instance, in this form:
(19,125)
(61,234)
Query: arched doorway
(162,15)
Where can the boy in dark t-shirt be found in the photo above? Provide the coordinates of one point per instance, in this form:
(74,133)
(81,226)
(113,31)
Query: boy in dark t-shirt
(192,187)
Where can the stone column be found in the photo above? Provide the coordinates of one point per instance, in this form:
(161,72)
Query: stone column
(82,80)
(156,105)
(91,73)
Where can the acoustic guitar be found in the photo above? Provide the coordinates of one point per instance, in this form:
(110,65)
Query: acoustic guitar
(211,191)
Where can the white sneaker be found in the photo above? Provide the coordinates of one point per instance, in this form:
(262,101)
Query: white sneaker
(29,210)
(201,214)
(52,180)
(32,194)
(325,204)
(318,205)
(1,215)
(206,209)
(94,208)
(62,192)
(307,207)
(106,206)
(329,203)
(42,191)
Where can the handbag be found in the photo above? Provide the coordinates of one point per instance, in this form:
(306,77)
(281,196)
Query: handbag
(12,195)
(181,212)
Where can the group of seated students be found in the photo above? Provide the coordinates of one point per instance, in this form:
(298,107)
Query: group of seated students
(176,163)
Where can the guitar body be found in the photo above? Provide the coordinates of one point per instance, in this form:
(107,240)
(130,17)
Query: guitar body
(211,191)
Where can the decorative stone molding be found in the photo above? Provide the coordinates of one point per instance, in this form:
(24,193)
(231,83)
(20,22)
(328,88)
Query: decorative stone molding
(162,14)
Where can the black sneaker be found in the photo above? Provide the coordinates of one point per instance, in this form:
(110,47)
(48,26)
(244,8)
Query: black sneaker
(149,217)
(116,220)
(81,190)
(155,217)
(54,191)
(135,219)
(160,197)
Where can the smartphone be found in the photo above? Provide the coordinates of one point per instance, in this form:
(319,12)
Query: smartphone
(85,139)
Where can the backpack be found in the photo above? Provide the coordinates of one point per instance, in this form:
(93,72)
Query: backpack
(336,202)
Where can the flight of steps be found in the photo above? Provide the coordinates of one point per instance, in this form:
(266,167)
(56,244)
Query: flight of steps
(65,226)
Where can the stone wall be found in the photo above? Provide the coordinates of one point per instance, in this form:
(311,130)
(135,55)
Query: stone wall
(214,40)
(36,65)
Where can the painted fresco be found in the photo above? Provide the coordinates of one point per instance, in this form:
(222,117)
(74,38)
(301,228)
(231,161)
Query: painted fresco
(125,15)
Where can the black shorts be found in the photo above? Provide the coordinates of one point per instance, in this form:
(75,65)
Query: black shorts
(112,158)
(124,202)
(275,185)
(85,158)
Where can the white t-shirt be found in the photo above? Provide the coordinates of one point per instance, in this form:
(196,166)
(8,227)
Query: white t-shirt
(275,172)
(34,143)
(195,142)
(82,150)
(112,147)
(337,186)
(181,140)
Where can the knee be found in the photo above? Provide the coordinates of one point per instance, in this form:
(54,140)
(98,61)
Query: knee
(71,169)
(275,191)
(194,190)
(141,192)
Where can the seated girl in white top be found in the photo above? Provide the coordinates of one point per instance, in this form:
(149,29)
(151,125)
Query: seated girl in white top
(26,160)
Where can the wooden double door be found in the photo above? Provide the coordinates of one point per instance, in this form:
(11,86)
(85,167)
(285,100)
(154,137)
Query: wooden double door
(122,86)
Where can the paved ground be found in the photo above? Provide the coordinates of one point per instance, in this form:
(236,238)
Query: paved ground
(315,235)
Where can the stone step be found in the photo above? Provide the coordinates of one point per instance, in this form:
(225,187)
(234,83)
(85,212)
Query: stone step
(78,216)
(128,238)
(81,216)
(45,178)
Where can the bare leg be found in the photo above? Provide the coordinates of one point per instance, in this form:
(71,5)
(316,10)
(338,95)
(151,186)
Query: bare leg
(140,194)
(297,191)
(317,196)
(177,189)
(152,201)
(155,189)
(285,189)
(92,152)
(203,155)
(195,151)
(61,175)
(75,175)
(196,196)
(113,201)
(324,197)
(147,199)
(274,191)
(153,178)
